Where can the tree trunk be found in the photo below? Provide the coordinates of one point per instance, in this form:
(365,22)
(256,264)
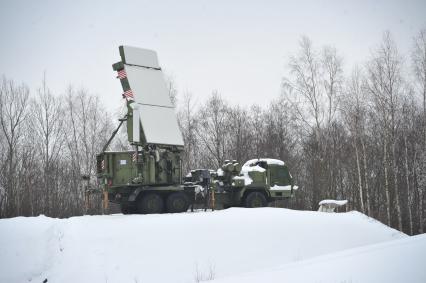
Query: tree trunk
(395,181)
(358,166)
(417,172)
(407,181)
(424,113)
(420,211)
(385,165)
(367,192)
(424,148)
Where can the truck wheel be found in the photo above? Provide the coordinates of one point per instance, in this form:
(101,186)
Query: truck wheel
(150,203)
(255,199)
(125,209)
(177,202)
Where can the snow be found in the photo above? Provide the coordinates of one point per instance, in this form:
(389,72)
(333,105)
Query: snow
(333,202)
(394,261)
(245,173)
(199,189)
(328,205)
(256,168)
(220,172)
(268,161)
(237,245)
(245,177)
(281,188)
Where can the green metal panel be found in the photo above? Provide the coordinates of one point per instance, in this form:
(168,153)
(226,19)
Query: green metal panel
(151,167)
(259,178)
(124,169)
(118,66)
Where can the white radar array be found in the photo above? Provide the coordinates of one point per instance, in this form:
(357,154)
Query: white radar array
(152,107)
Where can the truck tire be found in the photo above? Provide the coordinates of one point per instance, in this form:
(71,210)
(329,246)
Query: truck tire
(126,209)
(177,202)
(150,203)
(255,199)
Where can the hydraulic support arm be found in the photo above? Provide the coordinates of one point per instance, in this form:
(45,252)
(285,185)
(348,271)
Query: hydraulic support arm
(114,133)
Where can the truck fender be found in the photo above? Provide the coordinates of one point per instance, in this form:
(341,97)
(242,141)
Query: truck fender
(133,196)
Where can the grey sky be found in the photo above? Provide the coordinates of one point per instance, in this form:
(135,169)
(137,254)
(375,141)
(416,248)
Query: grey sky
(239,48)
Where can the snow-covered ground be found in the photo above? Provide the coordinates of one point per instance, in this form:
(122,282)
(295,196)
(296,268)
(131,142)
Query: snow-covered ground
(234,245)
(392,261)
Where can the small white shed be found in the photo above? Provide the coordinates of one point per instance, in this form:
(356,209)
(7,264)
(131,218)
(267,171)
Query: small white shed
(328,205)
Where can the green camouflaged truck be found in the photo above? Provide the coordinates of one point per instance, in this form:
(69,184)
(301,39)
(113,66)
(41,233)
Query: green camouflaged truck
(255,184)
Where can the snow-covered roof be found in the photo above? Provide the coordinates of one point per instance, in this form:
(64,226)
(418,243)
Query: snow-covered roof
(332,201)
(248,168)
(245,173)
(269,161)
(115,151)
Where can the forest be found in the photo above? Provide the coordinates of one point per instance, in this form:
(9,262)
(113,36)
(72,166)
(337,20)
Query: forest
(357,135)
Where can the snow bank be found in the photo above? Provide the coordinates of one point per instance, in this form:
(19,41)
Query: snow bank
(26,245)
(394,261)
(175,247)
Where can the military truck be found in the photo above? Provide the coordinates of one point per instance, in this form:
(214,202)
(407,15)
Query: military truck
(148,178)
(255,184)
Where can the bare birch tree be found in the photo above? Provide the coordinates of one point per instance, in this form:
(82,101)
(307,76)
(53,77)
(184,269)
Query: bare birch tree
(354,112)
(419,66)
(213,130)
(384,83)
(188,125)
(13,111)
(47,121)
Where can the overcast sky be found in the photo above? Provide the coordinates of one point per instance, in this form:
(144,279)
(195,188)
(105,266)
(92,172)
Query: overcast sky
(239,48)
